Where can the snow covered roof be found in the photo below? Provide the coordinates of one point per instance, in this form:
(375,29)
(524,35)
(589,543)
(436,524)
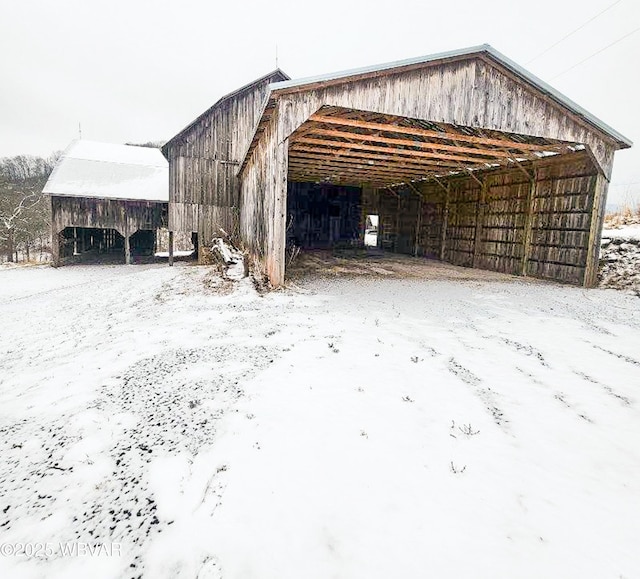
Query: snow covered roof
(109,171)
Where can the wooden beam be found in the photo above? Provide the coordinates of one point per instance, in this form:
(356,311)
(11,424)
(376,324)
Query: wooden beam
(403,156)
(325,173)
(308,159)
(393,192)
(478,181)
(416,244)
(434,154)
(477,239)
(340,153)
(599,195)
(529,176)
(363,147)
(328,171)
(410,185)
(170,248)
(436,134)
(307,163)
(127,248)
(355,180)
(445,223)
(55,234)
(457,149)
(444,187)
(55,248)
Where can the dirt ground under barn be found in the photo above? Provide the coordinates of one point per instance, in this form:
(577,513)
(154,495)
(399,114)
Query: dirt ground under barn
(410,419)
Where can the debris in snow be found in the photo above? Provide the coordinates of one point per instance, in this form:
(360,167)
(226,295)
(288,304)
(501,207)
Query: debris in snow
(457,470)
(234,262)
(620,259)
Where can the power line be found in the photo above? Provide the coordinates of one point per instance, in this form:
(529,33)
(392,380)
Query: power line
(574,31)
(596,53)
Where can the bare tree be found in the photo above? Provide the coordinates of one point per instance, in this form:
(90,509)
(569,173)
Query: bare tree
(14,220)
(24,214)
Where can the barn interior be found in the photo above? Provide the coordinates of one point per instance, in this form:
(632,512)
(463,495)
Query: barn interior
(472,197)
(97,245)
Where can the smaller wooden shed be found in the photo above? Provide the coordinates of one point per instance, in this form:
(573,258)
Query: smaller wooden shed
(107,198)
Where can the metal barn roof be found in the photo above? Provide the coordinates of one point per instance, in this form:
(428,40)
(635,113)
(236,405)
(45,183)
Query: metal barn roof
(110,171)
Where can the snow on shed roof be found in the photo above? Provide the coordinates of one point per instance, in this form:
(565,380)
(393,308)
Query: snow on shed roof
(109,171)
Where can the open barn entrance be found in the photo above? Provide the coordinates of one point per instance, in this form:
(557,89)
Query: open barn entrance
(472,197)
(96,245)
(87,244)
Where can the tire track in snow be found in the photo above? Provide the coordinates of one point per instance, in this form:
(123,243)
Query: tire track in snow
(487,396)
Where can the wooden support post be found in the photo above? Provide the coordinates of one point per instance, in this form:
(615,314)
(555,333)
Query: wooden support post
(418,219)
(528,227)
(127,248)
(397,236)
(598,203)
(277,237)
(477,239)
(445,222)
(170,247)
(55,247)
(75,241)
(445,188)
(416,243)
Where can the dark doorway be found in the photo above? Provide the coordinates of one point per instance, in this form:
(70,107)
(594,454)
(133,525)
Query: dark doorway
(91,244)
(321,215)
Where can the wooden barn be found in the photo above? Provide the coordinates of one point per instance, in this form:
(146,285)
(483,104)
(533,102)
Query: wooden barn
(107,199)
(464,157)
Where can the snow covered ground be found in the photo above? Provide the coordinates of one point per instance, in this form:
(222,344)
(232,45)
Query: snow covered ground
(458,424)
(623,232)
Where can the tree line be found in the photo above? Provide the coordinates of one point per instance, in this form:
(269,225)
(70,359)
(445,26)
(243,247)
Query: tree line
(25,213)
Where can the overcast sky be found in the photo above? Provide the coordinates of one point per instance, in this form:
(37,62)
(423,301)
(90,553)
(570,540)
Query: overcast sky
(139,70)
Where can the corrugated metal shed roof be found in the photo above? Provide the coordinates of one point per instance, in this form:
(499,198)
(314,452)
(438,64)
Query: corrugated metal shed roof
(483,48)
(109,171)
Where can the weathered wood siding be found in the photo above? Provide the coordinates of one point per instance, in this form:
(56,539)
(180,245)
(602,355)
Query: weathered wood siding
(539,227)
(561,223)
(469,92)
(475,92)
(204,159)
(263,193)
(126,217)
(464,197)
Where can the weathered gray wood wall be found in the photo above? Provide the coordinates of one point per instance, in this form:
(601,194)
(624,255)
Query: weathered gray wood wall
(475,92)
(538,227)
(126,217)
(263,190)
(204,159)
